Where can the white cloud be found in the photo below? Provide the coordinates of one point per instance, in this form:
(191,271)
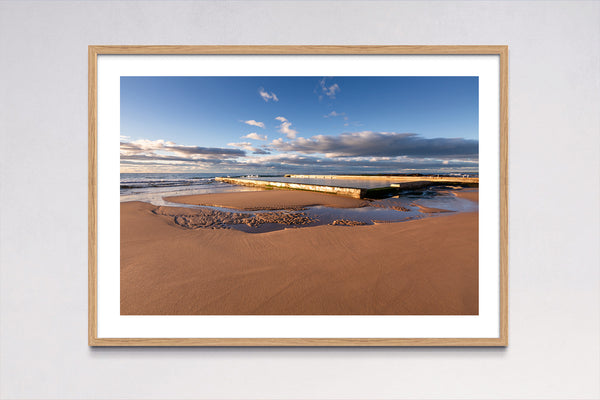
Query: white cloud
(266,96)
(255,136)
(286,129)
(330,90)
(255,123)
(335,114)
(248,147)
(242,145)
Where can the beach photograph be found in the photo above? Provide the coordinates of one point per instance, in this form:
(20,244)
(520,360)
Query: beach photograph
(299,195)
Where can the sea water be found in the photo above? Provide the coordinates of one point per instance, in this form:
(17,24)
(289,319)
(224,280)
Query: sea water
(152,187)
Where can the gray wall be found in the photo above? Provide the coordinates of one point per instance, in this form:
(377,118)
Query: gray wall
(554,203)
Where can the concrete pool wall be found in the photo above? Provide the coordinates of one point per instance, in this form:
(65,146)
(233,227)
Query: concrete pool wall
(403,183)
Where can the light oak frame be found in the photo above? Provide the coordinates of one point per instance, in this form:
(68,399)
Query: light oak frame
(94,51)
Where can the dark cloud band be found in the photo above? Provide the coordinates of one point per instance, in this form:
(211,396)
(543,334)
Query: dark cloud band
(381,144)
(149,147)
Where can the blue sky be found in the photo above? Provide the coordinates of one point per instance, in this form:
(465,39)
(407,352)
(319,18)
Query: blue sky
(299,124)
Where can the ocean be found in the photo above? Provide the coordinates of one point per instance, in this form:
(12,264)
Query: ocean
(152,187)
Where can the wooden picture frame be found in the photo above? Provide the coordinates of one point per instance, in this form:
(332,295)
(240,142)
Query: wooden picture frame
(94,52)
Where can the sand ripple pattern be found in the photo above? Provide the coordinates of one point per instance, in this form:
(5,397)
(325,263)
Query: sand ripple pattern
(216,219)
(347,222)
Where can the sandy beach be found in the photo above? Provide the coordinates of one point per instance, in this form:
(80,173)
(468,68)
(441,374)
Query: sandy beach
(421,267)
(270,200)
(469,194)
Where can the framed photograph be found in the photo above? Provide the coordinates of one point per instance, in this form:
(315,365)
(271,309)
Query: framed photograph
(298,195)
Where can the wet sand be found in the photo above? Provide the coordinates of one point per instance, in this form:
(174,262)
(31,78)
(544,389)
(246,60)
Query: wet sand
(469,194)
(431,210)
(269,200)
(420,267)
